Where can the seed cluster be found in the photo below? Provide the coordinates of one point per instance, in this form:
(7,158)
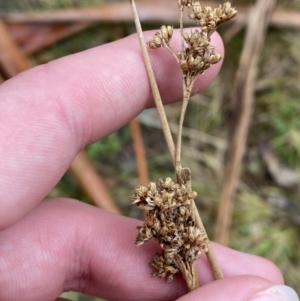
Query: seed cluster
(162,37)
(197,55)
(169,221)
(210,18)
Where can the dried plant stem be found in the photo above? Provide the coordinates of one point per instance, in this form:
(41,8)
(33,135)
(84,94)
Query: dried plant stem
(243,96)
(154,87)
(92,182)
(172,52)
(139,151)
(210,255)
(12,59)
(181,28)
(189,273)
(187,90)
(179,137)
(216,270)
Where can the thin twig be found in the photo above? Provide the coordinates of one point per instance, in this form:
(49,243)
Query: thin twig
(165,45)
(154,87)
(92,183)
(46,36)
(210,255)
(12,59)
(179,135)
(187,90)
(181,28)
(139,151)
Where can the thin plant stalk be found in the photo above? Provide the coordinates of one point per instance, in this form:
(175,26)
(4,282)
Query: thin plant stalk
(210,254)
(154,87)
(187,90)
(211,257)
(181,26)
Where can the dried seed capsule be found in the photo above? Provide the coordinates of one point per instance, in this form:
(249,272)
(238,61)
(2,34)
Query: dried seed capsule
(206,55)
(192,195)
(182,210)
(217,58)
(204,28)
(198,60)
(186,36)
(152,187)
(179,54)
(170,31)
(163,230)
(192,16)
(197,7)
(152,45)
(157,201)
(191,62)
(219,11)
(157,40)
(143,189)
(184,66)
(164,33)
(195,36)
(198,254)
(199,66)
(204,248)
(187,246)
(156,226)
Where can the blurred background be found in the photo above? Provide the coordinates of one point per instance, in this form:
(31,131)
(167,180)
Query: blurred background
(241,136)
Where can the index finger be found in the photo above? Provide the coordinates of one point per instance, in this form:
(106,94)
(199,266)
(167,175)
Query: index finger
(48,114)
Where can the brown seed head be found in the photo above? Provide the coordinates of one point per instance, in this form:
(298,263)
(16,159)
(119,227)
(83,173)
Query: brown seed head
(208,18)
(169,221)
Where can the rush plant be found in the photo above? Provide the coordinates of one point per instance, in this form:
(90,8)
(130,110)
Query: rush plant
(172,218)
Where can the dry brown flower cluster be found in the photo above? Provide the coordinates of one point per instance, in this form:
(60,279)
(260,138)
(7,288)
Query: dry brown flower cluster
(198,55)
(162,37)
(210,18)
(169,221)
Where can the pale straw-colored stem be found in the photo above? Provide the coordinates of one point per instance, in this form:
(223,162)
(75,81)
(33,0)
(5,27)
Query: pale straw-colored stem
(166,46)
(216,270)
(153,84)
(210,254)
(181,30)
(187,90)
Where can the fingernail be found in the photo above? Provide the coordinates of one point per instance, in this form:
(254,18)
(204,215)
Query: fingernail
(276,293)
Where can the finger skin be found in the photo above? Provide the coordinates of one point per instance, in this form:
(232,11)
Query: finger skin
(48,114)
(238,288)
(66,245)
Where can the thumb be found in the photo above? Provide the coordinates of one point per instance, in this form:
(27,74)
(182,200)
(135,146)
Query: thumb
(242,288)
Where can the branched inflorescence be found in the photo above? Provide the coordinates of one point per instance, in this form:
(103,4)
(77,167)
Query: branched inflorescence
(169,221)
(172,218)
(198,55)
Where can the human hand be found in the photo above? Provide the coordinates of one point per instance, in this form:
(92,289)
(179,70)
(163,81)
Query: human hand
(47,116)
